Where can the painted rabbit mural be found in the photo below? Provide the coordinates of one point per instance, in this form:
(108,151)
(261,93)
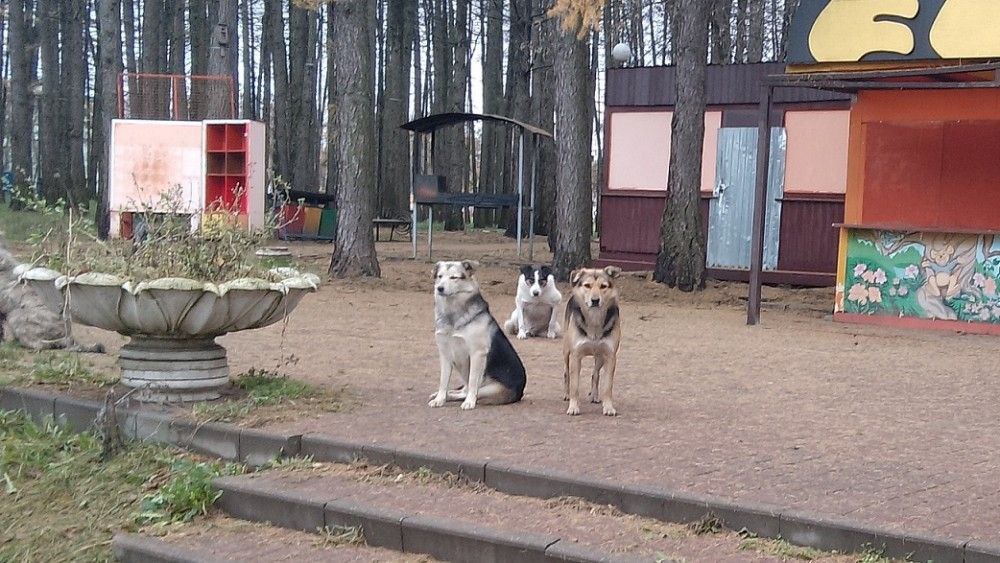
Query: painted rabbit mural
(922,275)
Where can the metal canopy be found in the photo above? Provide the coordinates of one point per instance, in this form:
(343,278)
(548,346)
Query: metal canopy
(434,122)
(936,77)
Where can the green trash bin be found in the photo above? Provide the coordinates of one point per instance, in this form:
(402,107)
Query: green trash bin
(328,224)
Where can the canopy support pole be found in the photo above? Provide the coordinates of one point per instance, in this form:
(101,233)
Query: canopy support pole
(531,224)
(759,205)
(415,140)
(520,189)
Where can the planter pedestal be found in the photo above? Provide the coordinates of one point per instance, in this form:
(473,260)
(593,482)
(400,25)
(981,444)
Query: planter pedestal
(174,369)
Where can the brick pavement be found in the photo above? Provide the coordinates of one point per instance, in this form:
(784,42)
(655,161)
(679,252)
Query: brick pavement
(894,428)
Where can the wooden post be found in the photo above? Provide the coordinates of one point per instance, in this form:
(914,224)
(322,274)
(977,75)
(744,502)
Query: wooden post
(759,205)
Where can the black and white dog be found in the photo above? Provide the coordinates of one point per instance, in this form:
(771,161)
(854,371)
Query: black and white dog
(536,307)
(471,344)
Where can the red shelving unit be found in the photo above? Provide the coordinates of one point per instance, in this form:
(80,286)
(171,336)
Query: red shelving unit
(226,169)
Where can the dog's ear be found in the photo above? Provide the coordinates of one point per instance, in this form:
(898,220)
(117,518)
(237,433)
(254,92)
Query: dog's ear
(613,271)
(528,271)
(574,277)
(470,265)
(437,266)
(544,272)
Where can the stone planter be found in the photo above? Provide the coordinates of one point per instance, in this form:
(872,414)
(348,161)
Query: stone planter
(172,323)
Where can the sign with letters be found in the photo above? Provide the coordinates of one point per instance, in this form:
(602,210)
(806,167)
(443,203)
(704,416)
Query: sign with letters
(850,31)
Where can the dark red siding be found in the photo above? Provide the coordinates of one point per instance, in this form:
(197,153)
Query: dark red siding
(724,85)
(808,242)
(807,252)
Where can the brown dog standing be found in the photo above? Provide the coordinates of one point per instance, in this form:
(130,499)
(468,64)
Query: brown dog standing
(592,328)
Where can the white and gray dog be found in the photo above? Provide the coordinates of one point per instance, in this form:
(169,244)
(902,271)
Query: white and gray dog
(30,321)
(536,307)
(471,344)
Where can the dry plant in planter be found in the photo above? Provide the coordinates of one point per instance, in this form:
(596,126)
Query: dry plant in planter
(172,290)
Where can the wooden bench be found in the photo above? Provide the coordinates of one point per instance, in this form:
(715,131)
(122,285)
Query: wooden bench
(403,225)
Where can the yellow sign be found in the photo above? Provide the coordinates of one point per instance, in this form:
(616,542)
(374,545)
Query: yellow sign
(847,31)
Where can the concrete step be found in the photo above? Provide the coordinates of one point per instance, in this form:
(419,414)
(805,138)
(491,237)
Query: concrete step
(226,539)
(453,520)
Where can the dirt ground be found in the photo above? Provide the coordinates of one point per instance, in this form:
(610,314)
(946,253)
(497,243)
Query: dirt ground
(892,426)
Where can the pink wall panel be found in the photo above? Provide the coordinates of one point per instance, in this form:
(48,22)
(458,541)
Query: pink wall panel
(639,153)
(816,161)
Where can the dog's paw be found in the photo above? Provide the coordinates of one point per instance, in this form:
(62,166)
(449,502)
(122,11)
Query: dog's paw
(609,410)
(468,405)
(522,336)
(436,401)
(595,399)
(565,397)
(552,335)
(573,410)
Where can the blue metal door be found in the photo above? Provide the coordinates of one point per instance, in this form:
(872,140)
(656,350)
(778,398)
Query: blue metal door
(730,215)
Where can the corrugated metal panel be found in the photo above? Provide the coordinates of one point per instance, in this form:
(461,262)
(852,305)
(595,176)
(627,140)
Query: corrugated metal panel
(731,212)
(809,243)
(737,84)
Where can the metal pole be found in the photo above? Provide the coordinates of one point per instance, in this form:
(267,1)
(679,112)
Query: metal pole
(415,139)
(430,231)
(531,224)
(759,205)
(520,189)
(430,208)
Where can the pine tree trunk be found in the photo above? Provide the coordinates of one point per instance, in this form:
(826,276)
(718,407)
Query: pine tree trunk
(518,106)
(722,39)
(219,97)
(755,32)
(395,176)
(355,251)
(543,101)
(153,93)
(492,104)
(177,58)
(574,102)
(742,27)
(131,64)
(22,107)
(109,66)
(51,130)
(249,79)
(459,37)
(74,84)
(786,22)
(332,132)
(301,97)
(4,90)
(681,259)
(279,61)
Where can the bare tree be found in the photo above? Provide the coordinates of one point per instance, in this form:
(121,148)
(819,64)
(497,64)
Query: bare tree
(22,105)
(681,259)
(354,52)
(279,62)
(755,32)
(74,85)
(574,104)
(108,68)
(4,81)
(219,101)
(395,177)
(51,129)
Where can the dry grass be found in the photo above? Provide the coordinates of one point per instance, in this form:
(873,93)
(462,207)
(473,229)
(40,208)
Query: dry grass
(61,502)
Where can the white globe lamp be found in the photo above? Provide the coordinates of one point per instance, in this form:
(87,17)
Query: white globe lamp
(621,53)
